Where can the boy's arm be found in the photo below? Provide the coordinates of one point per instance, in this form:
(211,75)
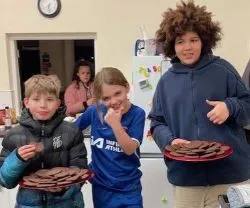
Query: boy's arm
(78,152)
(238,100)
(159,128)
(11,168)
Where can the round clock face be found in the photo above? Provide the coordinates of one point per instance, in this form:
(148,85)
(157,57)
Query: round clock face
(49,8)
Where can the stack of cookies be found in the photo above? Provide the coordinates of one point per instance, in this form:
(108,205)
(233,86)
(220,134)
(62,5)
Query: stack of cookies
(197,149)
(55,177)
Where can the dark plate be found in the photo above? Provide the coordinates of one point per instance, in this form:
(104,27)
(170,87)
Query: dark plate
(82,181)
(216,157)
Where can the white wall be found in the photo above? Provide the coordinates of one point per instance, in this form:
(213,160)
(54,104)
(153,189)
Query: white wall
(116,26)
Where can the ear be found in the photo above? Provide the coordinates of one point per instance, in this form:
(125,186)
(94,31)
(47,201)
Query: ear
(128,88)
(26,102)
(59,103)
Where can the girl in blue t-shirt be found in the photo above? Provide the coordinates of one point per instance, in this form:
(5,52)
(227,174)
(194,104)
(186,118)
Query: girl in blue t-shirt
(116,133)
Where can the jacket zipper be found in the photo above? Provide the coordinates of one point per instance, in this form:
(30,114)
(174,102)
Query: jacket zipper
(44,195)
(42,136)
(193,99)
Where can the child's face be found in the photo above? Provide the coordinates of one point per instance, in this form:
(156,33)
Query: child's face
(42,106)
(84,74)
(188,48)
(115,96)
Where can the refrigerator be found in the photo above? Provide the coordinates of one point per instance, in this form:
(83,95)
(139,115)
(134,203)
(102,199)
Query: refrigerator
(156,190)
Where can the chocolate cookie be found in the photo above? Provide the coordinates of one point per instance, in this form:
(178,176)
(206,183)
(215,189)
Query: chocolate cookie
(208,155)
(62,174)
(182,151)
(84,171)
(63,179)
(55,171)
(212,144)
(212,149)
(217,145)
(42,173)
(221,152)
(74,171)
(193,144)
(84,176)
(192,156)
(191,153)
(73,178)
(224,148)
(39,146)
(45,184)
(204,145)
(176,154)
(51,178)
(29,183)
(175,146)
(198,150)
(169,148)
(63,182)
(33,179)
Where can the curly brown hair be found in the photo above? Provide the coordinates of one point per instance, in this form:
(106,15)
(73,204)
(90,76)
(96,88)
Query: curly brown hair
(187,17)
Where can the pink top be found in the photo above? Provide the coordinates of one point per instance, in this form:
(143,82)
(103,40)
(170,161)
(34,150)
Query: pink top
(75,97)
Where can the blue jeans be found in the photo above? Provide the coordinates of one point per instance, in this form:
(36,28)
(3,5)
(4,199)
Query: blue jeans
(76,202)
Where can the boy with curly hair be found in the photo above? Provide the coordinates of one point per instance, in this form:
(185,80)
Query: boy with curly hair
(201,97)
(42,122)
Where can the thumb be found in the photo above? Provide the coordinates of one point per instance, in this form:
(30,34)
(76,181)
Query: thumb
(213,103)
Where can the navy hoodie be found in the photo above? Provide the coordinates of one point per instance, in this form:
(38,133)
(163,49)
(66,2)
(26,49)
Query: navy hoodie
(180,111)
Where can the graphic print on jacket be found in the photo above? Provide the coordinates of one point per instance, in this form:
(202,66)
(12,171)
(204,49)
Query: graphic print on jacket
(57,142)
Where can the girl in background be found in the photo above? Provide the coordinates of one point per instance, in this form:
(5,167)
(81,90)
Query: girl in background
(79,94)
(116,134)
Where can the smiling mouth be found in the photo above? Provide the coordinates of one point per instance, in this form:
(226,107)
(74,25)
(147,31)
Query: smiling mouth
(116,107)
(188,55)
(43,113)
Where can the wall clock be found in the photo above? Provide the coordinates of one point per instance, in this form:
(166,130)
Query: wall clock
(49,8)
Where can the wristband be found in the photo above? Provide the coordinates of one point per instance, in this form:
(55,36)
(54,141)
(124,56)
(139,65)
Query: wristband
(85,105)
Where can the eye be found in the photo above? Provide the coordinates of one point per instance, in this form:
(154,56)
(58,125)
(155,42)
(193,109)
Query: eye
(105,99)
(195,40)
(118,93)
(50,99)
(179,41)
(35,98)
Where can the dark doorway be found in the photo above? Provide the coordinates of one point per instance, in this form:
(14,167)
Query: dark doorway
(84,49)
(29,60)
(30,54)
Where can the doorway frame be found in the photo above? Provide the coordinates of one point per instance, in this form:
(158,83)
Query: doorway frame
(12,51)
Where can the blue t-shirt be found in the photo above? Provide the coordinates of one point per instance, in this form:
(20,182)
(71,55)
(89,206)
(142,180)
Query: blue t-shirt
(112,167)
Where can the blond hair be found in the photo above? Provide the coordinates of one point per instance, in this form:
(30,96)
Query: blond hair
(42,84)
(110,76)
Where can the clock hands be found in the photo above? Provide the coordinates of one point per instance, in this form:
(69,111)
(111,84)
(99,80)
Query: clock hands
(49,6)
